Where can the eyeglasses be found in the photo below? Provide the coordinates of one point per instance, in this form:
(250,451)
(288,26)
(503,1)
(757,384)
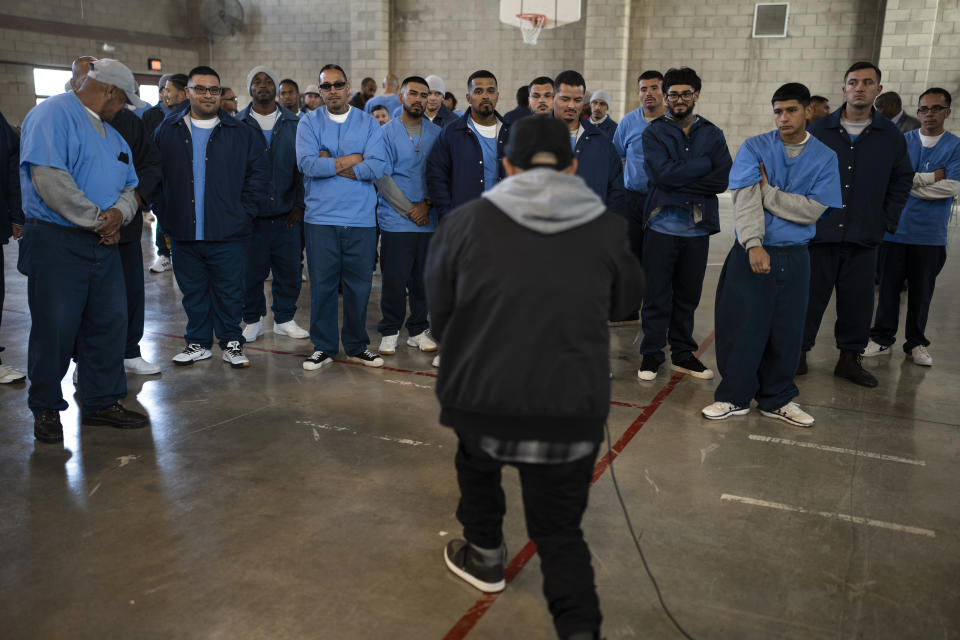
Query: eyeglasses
(233,99)
(937,108)
(326,86)
(685,96)
(204,91)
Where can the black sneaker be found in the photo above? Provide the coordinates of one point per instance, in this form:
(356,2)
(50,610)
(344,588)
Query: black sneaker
(367,358)
(317,360)
(693,367)
(115,416)
(850,366)
(47,427)
(802,367)
(648,367)
(468,565)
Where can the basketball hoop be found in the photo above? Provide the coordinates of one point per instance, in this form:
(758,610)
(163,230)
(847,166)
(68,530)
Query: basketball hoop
(531,24)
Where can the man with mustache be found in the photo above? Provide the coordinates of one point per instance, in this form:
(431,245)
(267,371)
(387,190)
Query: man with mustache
(274,244)
(465,161)
(290,95)
(917,251)
(597,160)
(628,140)
(340,153)
(687,163)
(213,187)
(541,96)
(436,111)
(407,220)
(600,113)
(876,176)
(78,179)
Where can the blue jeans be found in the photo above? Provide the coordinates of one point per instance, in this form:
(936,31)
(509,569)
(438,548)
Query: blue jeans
(77,299)
(273,246)
(338,255)
(210,276)
(759,320)
(402,258)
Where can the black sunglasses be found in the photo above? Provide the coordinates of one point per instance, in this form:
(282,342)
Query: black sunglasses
(326,86)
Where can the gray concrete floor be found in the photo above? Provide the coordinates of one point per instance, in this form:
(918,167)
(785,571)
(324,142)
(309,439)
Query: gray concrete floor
(278,503)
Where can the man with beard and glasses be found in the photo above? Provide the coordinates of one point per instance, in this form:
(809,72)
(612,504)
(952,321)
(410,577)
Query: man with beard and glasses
(436,111)
(407,220)
(782,182)
(687,163)
(628,141)
(274,244)
(876,175)
(917,251)
(290,95)
(78,182)
(465,161)
(213,187)
(597,160)
(340,153)
(541,96)
(228,101)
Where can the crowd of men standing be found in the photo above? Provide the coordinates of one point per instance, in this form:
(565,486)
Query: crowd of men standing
(824,202)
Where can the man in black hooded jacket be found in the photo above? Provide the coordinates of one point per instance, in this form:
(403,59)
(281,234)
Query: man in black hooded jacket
(521,284)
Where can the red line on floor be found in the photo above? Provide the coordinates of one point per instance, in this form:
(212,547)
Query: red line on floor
(483,604)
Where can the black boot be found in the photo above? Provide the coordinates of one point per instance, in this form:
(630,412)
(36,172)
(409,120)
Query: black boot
(802,367)
(849,366)
(47,427)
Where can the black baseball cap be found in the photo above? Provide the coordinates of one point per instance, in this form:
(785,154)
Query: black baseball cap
(539,141)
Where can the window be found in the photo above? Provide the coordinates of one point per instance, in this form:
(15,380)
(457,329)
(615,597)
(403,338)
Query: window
(49,82)
(770,19)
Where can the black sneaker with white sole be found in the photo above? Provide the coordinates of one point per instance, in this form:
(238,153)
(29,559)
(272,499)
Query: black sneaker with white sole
(316,360)
(693,367)
(367,358)
(467,564)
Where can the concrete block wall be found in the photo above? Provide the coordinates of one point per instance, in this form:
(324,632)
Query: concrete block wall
(454,38)
(606,66)
(739,72)
(920,47)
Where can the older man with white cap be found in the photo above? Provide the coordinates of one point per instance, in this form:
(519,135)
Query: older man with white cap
(77,177)
(275,242)
(437,112)
(599,117)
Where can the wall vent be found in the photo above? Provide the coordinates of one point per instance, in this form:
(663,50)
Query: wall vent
(770,19)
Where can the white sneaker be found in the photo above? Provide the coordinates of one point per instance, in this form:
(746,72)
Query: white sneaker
(190,354)
(722,410)
(436,361)
(921,356)
(8,374)
(253,330)
(161,264)
(423,341)
(874,349)
(291,329)
(234,355)
(140,366)
(388,345)
(791,413)
(148,217)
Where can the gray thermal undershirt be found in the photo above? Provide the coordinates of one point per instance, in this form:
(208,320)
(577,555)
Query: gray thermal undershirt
(389,189)
(750,202)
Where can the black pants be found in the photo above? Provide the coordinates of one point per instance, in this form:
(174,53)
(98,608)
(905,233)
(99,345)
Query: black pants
(554,499)
(402,260)
(674,267)
(849,269)
(131,257)
(2,288)
(635,203)
(919,266)
(759,322)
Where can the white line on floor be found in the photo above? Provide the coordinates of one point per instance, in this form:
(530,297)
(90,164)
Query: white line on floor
(834,516)
(340,428)
(824,447)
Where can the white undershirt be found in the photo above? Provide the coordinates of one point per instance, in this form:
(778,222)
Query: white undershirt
(485,130)
(92,113)
(339,118)
(930,141)
(266,122)
(203,124)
